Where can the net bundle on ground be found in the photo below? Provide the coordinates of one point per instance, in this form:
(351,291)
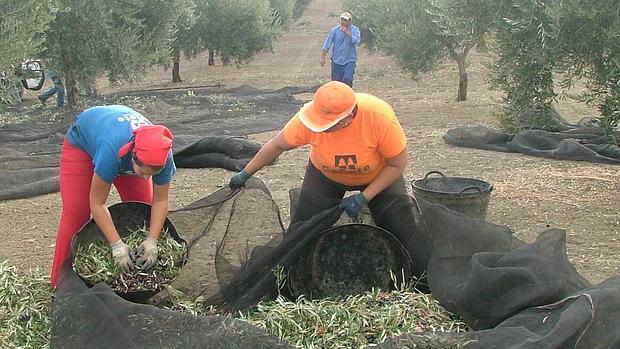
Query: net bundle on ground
(508,291)
(581,141)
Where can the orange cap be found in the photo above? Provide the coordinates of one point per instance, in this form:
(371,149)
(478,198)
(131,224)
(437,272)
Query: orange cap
(151,144)
(332,103)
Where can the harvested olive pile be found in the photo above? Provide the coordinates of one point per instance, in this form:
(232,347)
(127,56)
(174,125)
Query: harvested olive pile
(94,263)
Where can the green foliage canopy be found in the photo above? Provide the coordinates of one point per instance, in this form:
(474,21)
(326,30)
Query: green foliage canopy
(524,66)
(18,41)
(237,30)
(538,43)
(120,38)
(587,33)
(420,34)
(299,6)
(281,13)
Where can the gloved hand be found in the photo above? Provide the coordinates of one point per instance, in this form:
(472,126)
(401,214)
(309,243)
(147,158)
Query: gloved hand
(353,204)
(237,181)
(120,253)
(147,252)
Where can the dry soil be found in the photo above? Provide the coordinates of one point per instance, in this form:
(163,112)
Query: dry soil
(529,193)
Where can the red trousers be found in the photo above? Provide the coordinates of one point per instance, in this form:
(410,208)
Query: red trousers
(76,175)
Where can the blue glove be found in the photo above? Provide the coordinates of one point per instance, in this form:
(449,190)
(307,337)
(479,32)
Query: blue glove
(237,181)
(353,204)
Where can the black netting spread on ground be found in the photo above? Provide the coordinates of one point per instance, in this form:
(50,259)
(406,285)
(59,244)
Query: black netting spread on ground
(514,294)
(29,151)
(98,318)
(481,272)
(570,142)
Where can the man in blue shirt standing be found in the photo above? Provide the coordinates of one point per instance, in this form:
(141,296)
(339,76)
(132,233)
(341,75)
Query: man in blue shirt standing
(343,40)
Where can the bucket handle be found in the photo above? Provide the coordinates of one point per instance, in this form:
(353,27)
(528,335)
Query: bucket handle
(470,187)
(435,172)
(426,176)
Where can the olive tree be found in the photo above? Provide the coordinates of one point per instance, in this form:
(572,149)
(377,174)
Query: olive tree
(545,46)
(299,6)
(236,30)
(281,13)
(587,45)
(120,38)
(185,39)
(524,66)
(419,34)
(21,26)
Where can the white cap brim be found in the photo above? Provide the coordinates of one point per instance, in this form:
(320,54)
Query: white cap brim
(314,126)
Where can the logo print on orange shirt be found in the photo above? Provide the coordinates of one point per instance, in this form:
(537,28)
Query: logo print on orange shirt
(346,162)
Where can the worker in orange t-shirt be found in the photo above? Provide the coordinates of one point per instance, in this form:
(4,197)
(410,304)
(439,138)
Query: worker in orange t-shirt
(357,144)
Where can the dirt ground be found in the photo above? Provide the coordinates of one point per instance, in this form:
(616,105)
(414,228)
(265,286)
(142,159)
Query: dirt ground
(529,193)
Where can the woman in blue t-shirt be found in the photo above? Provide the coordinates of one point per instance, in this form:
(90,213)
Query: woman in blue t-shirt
(113,145)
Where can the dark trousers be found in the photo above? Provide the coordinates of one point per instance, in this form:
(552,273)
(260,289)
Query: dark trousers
(58,90)
(343,73)
(319,193)
(392,209)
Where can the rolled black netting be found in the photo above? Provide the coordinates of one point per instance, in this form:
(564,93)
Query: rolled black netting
(513,294)
(233,146)
(567,141)
(228,152)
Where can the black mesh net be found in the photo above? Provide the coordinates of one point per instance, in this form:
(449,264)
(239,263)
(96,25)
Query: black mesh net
(98,318)
(348,259)
(581,141)
(512,293)
(198,117)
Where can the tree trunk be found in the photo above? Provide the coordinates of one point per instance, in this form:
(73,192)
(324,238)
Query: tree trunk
(461,59)
(176,76)
(72,96)
(462,96)
(211,60)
